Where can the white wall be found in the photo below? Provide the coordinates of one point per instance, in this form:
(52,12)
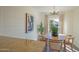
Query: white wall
(1,21)
(68,22)
(12,21)
(71,25)
(76,26)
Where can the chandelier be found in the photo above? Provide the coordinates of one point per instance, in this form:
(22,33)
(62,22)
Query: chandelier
(55,11)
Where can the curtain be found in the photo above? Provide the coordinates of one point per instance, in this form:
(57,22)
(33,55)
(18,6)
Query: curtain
(46,24)
(61,20)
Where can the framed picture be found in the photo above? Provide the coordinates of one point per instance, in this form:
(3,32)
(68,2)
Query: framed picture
(29,23)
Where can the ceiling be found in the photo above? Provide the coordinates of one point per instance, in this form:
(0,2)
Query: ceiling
(58,8)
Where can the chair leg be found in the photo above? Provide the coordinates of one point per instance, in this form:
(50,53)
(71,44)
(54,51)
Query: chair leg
(61,48)
(72,47)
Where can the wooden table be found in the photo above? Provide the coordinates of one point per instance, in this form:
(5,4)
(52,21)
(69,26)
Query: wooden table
(50,43)
(57,43)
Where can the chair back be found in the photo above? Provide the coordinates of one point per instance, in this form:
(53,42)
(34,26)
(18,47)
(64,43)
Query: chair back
(49,36)
(69,38)
(61,36)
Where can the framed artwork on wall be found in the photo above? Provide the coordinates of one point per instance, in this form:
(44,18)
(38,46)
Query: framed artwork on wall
(29,23)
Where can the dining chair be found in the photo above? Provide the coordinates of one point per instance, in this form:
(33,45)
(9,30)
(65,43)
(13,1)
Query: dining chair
(62,38)
(57,42)
(69,42)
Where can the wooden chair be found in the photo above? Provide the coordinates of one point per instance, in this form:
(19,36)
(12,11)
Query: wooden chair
(69,41)
(56,43)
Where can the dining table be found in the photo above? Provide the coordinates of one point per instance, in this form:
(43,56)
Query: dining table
(54,44)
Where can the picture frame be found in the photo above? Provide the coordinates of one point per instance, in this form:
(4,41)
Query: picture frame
(29,23)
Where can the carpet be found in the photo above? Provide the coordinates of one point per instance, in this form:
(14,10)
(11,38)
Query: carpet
(68,49)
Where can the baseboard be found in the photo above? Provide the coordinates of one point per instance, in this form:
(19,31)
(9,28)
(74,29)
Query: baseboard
(7,36)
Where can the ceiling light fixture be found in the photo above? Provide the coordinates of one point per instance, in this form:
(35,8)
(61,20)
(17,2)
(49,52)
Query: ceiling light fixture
(55,12)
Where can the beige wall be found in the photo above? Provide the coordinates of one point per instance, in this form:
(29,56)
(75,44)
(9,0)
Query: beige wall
(12,22)
(68,22)
(71,25)
(76,26)
(1,21)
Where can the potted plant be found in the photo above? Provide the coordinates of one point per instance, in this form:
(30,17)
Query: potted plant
(41,28)
(53,28)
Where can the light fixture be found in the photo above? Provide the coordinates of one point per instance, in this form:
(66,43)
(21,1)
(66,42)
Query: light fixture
(55,11)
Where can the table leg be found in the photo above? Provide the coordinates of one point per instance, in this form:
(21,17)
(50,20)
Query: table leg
(64,46)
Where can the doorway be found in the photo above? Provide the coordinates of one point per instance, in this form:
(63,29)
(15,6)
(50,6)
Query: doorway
(54,25)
